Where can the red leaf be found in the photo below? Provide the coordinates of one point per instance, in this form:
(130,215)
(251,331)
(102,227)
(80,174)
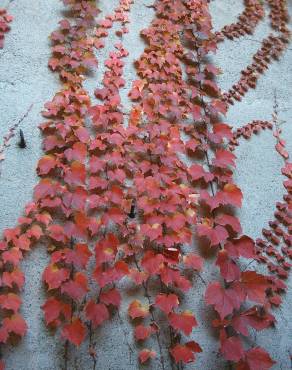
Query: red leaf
(136,309)
(242,247)
(43,189)
(57,233)
(255,286)
(97,313)
(79,256)
(14,277)
(185,321)
(258,359)
(194,261)
(55,276)
(74,332)
(13,256)
(142,332)
(82,134)
(46,164)
(218,106)
(228,268)
(221,131)
(145,355)
(112,297)
(166,302)
(227,220)
(35,232)
(282,151)
(231,348)
(197,172)
(138,276)
(254,317)
(216,235)
(10,301)
(15,324)
(224,300)
(106,249)
(185,353)
(104,277)
(76,174)
(77,153)
(76,288)
(224,158)
(53,308)
(232,195)
(152,262)
(151,231)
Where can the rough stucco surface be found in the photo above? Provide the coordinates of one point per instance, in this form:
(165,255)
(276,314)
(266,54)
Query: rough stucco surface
(25,80)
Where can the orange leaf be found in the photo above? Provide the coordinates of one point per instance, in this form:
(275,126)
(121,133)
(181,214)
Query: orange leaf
(136,309)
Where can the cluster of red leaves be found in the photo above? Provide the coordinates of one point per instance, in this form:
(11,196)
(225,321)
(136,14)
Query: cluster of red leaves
(72,191)
(159,103)
(108,168)
(89,196)
(119,15)
(247,21)
(5,19)
(15,243)
(279,15)
(272,48)
(247,131)
(162,193)
(275,249)
(63,191)
(72,51)
(220,228)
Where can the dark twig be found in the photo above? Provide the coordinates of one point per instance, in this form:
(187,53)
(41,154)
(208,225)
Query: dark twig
(21,143)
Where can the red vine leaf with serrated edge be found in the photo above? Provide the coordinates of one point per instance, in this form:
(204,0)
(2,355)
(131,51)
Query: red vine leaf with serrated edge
(224,300)
(185,353)
(74,332)
(256,359)
(166,302)
(137,309)
(184,322)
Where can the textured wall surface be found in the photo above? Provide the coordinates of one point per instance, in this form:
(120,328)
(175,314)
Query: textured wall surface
(25,80)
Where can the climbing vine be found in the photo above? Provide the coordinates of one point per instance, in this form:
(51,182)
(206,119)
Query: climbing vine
(127,196)
(5,19)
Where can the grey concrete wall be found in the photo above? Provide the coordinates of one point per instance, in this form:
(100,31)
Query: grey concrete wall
(25,80)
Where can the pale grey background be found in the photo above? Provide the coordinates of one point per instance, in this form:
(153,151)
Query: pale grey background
(25,79)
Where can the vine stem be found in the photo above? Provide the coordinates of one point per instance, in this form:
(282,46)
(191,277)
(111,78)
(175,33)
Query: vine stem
(93,356)
(171,332)
(66,349)
(153,317)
